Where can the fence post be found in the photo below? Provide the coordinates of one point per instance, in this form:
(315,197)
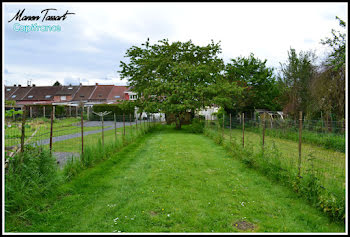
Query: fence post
(70,111)
(130,124)
(263,139)
(51,128)
(103,137)
(76,111)
(115,128)
(88,112)
(243,129)
(30,111)
(300,129)
(44,111)
(223,125)
(82,129)
(23,128)
(136,122)
(124,124)
(230,127)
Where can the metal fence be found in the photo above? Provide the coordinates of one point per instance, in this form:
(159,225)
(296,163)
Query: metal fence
(66,137)
(304,146)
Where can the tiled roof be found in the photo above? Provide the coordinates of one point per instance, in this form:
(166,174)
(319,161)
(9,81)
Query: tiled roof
(41,93)
(9,90)
(67,90)
(101,92)
(20,93)
(117,93)
(84,93)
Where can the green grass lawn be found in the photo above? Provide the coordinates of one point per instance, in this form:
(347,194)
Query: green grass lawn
(173,181)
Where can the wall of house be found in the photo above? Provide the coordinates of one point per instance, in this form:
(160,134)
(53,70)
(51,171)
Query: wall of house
(57,98)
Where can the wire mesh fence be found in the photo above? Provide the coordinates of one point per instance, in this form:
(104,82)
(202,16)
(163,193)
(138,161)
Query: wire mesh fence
(68,137)
(320,150)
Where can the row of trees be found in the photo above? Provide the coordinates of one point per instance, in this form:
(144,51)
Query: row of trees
(179,77)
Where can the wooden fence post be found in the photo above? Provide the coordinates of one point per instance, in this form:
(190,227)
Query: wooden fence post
(88,112)
(136,121)
(243,129)
(31,111)
(300,129)
(44,111)
(230,127)
(70,111)
(103,136)
(115,128)
(263,138)
(76,111)
(223,125)
(23,128)
(124,124)
(130,124)
(82,129)
(54,111)
(51,128)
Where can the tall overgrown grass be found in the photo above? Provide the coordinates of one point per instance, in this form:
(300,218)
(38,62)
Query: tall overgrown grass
(30,176)
(269,161)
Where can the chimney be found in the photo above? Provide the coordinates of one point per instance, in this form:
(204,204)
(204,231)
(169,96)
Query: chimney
(80,83)
(96,84)
(19,85)
(33,85)
(14,85)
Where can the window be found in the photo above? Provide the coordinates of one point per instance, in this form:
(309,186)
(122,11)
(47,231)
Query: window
(47,96)
(14,96)
(63,97)
(99,95)
(30,96)
(117,96)
(70,88)
(8,89)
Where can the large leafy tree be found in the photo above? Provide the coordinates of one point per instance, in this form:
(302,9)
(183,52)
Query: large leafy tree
(260,90)
(329,84)
(296,75)
(336,58)
(174,78)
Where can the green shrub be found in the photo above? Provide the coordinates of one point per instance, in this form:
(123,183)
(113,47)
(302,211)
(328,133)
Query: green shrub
(197,126)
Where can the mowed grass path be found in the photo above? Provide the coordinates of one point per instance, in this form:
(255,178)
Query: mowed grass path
(171,181)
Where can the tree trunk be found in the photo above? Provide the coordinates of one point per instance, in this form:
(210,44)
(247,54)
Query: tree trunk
(177,122)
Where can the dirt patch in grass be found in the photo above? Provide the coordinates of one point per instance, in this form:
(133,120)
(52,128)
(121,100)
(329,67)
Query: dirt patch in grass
(244,225)
(153,213)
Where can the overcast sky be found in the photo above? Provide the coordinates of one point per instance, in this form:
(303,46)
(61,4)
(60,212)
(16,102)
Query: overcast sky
(91,43)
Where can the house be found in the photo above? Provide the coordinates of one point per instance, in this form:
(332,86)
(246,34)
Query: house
(17,93)
(66,93)
(38,95)
(117,93)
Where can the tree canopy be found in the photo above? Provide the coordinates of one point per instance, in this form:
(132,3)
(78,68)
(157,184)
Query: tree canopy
(176,77)
(257,81)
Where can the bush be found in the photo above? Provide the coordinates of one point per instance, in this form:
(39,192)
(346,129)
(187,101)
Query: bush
(197,126)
